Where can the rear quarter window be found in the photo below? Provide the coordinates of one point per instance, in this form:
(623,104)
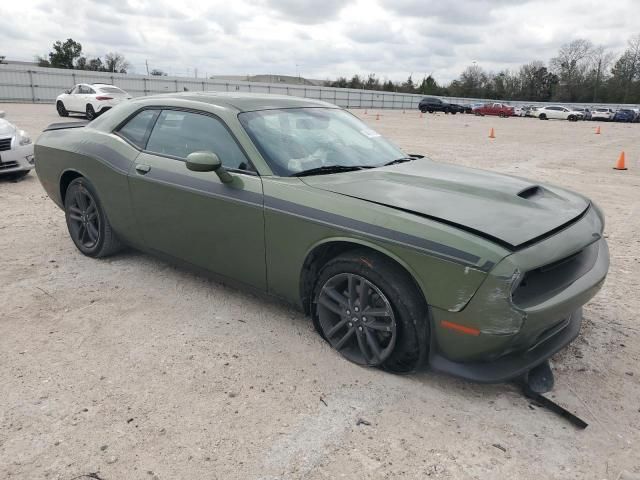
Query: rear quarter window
(137,129)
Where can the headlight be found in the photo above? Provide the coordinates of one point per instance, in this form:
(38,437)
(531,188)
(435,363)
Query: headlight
(23,138)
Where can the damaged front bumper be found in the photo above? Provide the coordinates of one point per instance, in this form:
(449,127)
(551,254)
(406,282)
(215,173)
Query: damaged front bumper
(527,309)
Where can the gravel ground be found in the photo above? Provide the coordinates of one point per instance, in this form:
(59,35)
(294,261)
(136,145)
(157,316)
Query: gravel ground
(134,369)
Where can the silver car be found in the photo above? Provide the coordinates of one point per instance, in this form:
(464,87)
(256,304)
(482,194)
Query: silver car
(16,150)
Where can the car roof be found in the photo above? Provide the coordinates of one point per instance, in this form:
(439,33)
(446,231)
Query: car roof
(240,101)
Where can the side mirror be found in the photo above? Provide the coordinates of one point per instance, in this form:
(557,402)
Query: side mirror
(67,91)
(208,162)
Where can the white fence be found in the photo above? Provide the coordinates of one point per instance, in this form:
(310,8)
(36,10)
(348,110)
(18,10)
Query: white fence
(23,83)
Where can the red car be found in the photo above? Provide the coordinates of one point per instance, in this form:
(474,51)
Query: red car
(500,109)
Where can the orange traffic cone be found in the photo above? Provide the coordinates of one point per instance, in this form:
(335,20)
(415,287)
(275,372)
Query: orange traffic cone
(620,163)
(492,134)
(377,116)
(598,130)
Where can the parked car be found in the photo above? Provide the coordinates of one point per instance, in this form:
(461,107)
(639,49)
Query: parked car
(500,109)
(519,111)
(624,115)
(532,111)
(468,107)
(16,150)
(434,104)
(602,114)
(90,100)
(456,108)
(558,112)
(396,258)
(586,113)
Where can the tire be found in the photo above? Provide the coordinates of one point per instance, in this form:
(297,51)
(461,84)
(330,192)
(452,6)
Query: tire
(542,116)
(429,110)
(572,118)
(87,222)
(91,113)
(502,115)
(401,332)
(16,176)
(62,111)
(423,110)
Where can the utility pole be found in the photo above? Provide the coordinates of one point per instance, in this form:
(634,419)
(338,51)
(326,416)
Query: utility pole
(146,64)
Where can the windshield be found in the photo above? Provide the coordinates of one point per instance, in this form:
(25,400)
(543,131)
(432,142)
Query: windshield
(300,139)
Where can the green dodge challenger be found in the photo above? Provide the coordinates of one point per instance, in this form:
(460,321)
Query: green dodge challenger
(399,261)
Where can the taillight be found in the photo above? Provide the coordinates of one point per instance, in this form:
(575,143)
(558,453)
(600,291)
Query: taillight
(104,98)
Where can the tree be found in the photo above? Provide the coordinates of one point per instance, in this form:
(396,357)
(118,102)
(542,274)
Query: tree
(429,86)
(570,65)
(372,82)
(627,68)
(116,63)
(355,82)
(158,73)
(408,86)
(63,55)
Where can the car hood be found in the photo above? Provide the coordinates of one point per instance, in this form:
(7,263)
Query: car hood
(511,211)
(6,128)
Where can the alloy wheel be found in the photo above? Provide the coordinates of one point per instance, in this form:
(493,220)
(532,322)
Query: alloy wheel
(357,319)
(84,221)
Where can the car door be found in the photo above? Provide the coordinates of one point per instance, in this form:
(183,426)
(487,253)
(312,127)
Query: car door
(71,101)
(194,216)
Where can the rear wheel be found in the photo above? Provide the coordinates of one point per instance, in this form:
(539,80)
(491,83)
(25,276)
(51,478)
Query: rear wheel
(91,113)
(423,110)
(62,111)
(542,116)
(572,118)
(502,115)
(87,222)
(369,310)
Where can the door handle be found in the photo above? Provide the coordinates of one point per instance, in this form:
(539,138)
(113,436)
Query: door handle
(142,168)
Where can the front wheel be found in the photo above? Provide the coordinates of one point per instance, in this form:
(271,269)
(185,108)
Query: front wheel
(423,110)
(91,113)
(542,116)
(87,222)
(62,111)
(369,310)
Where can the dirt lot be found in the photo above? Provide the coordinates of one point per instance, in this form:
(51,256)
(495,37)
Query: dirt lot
(135,369)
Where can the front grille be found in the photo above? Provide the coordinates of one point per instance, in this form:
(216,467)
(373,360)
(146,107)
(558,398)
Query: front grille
(7,165)
(5,144)
(544,282)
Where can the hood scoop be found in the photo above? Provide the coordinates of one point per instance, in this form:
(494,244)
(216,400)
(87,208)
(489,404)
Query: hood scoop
(531,192)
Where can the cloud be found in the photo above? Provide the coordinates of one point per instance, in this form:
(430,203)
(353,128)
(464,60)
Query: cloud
(318,39)
(307,11)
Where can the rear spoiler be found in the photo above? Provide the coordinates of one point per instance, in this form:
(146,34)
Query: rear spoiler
(64,125)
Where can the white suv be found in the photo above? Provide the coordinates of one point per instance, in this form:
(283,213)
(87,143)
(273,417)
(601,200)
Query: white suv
(558,112)
(602,114)
(90,99)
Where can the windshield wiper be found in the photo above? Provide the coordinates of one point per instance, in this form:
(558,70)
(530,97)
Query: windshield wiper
(399,160)
(327,169)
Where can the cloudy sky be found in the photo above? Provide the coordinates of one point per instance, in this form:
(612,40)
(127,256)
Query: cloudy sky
(319,39)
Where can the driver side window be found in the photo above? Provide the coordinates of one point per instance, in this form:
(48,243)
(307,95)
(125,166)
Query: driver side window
(178,133)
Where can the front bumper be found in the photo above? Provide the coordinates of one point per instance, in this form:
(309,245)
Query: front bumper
(515,364)
(509,325)
(17,159)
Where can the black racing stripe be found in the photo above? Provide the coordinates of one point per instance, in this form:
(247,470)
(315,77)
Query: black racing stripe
(107,155)
(443,251)
(204,186)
